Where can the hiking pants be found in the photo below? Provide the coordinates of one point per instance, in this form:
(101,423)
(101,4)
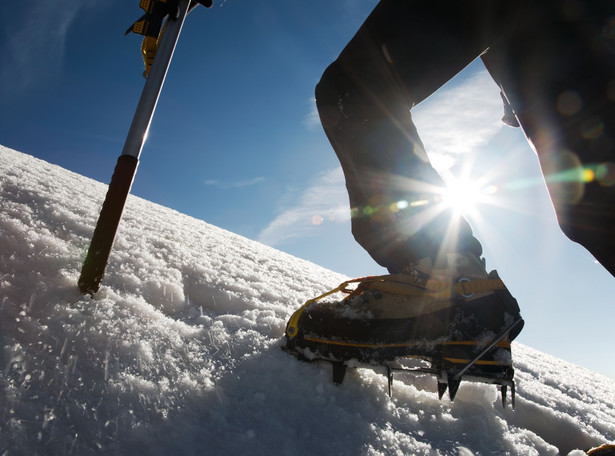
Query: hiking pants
(555,64)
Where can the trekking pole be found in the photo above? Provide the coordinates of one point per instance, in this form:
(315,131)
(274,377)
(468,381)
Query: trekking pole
(97,257)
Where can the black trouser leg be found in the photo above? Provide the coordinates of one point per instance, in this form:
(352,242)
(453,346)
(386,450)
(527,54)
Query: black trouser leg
(559,76)
(404,52)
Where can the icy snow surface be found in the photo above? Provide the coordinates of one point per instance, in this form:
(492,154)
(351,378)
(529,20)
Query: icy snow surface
(179,353)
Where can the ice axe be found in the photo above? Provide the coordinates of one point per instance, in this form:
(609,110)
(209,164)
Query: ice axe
(148,25)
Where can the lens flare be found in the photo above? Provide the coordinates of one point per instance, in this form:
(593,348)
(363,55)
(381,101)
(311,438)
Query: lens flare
(605,173)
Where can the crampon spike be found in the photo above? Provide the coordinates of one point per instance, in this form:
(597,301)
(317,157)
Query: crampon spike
(512,392)
(442,387)
(453,386)
(390,380)
(339,372)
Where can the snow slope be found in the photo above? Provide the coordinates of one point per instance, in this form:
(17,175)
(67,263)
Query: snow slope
(179,353)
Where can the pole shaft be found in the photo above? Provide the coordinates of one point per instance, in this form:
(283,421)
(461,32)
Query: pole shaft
(97,257)
(153,86)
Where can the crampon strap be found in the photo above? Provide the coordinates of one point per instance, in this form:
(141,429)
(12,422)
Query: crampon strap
(404,285)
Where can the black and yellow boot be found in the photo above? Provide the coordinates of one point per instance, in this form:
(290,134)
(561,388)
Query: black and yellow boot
(452,314)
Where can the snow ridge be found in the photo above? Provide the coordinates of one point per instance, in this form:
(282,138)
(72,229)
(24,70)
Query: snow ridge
(179,353)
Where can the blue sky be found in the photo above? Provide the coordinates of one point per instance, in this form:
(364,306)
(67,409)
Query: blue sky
(236,142)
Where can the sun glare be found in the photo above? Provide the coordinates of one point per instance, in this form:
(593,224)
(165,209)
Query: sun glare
(462,195)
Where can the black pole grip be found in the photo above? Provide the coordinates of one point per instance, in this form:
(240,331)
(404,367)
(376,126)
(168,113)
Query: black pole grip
(95,262)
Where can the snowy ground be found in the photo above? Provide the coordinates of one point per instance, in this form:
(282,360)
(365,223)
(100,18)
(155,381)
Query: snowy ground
(179,353)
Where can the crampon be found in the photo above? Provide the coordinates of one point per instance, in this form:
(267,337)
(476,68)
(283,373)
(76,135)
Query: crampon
(455,331)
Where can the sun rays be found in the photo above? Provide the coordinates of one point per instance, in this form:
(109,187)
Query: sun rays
(435,213)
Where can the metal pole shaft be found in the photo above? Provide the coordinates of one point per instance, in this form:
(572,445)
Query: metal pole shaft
(97,257)
(149,97)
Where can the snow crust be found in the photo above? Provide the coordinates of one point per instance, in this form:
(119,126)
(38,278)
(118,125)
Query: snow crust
(179,352)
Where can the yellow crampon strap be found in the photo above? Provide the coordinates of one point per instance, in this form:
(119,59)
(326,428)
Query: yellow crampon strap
(291,327)
(405,285)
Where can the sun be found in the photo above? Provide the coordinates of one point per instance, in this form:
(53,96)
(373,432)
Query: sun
(463,195)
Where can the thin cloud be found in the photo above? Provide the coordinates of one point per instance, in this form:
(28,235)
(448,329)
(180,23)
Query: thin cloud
(35,43)
(325,201)
(312,119)
(234,185)
(458,120)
